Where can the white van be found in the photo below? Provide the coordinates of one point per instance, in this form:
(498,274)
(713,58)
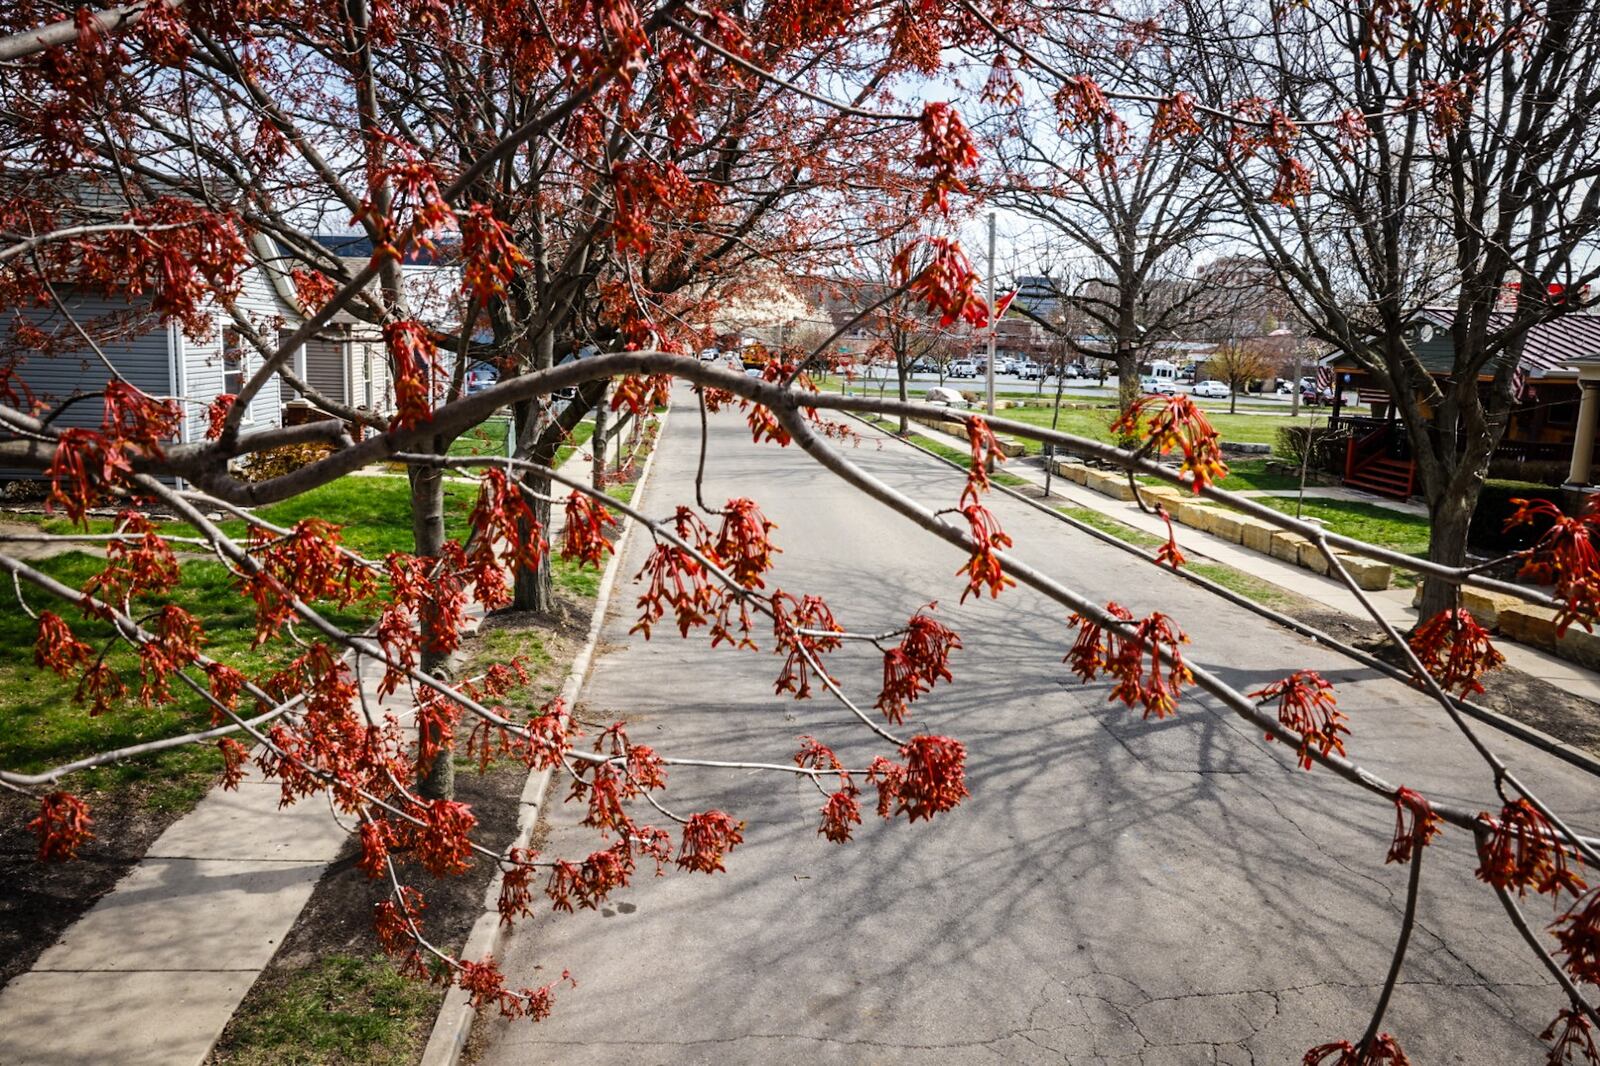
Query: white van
(1160,377)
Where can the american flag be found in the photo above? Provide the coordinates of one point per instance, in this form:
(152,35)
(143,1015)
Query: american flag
(1324,377)
(1519,381)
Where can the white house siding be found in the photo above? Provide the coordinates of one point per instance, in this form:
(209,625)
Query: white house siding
(202,369)
(325,367)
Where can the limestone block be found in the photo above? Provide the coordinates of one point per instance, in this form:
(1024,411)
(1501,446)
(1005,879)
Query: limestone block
(1580,646)
(1369,574)
(1010,448)
(1226,524)
(1311,558)
(1286,546)
(1190,513)
(1114,485)
(1485,606)
(1527,624)
(1256,534)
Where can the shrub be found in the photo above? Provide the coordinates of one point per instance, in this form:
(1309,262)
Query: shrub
(286,459)
(1487,532)
(1327,444)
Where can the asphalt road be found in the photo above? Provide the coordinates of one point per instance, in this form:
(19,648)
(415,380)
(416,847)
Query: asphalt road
(1113,892)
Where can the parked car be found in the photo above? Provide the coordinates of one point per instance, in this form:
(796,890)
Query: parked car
(1311,396)
(924,366)
(480,377)
(963,368)
(1285,387)
(1213,390)
(1159,386)
(1028,370)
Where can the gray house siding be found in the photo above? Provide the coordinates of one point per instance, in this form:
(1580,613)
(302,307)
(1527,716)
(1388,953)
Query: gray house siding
(202,359)
(325,367)
(141,352)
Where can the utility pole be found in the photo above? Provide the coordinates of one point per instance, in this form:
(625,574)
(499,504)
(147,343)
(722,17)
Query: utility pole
(993,321)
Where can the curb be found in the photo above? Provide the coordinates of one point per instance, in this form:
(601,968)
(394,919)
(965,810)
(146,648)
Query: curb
(488,936)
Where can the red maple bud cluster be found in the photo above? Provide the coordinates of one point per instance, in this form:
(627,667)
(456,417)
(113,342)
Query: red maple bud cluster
(1415,825)
(947,149)
(1175,423)
(912,667)
(56,648)
(89,463)
(1578,934)
(843,808)
(139,563)
(932,780)
(1565,555)
(1574,1043)
(490,257)
(307,565)
(1455,650)
(234,758)
(507,534)
(1176,118)
(1122,657)
(983,567)
(676,579)
(708,837)
(584,535)
(1168,554)
(217,414)
(1306,704)
(1080,102)
(947,283)
(743,545)
(417,374)
(986,451)
(1522,850)
(312,289)
(62,826)
(799,631)
(1382,1051)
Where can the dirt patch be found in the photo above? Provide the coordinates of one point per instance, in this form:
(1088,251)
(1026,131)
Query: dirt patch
(39,900)
(335,927)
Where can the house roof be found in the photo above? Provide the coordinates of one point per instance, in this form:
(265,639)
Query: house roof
(1549,348)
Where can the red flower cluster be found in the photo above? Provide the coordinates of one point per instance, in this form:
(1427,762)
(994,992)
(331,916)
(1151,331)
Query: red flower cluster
(1169,423)
(62,826)
(56,648)
(743,545)
(1578,933)
(983,568)
(985,451)
(1306,705)
(1522,850)
(1383,1051)
(1455,650)
(1123,658)
(916,664)
(1168,554)
(706,839)
(803,650)
(1565,555)
(584,535)
(947,149)
(1575,1039)
(948,283)
(417,374)
(1419,832)
(489,256)
(932,780)
(507,534)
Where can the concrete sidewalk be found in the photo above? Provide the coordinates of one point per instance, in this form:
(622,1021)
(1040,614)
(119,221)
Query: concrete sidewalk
(155,970)
(1394,604)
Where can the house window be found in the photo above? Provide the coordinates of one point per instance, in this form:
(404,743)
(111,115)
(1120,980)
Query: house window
(233,364)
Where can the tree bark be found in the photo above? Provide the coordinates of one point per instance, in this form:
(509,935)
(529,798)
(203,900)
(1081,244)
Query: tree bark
(1449,518)
(1127,378)
(534,590)
(437,780)
(598,444)
(900,366)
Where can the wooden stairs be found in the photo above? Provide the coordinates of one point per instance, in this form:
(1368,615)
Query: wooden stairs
(1369,466)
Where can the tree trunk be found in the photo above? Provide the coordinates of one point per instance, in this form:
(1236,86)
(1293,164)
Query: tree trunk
(1449,518)
(1127,378)
(598,444)
(900,365)
(438,779)
(535,590)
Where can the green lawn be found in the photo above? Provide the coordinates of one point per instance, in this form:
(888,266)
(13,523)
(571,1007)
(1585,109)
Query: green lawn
(1373,523)
(946,451)
(1095,423)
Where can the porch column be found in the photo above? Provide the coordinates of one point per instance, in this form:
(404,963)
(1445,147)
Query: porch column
(1583,439)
